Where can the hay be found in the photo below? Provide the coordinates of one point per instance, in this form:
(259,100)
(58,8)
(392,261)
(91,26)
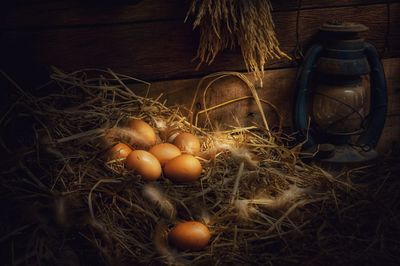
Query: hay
(227,24)
(262,204)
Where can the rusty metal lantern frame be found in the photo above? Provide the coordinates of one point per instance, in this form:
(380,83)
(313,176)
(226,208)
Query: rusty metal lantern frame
(341,55)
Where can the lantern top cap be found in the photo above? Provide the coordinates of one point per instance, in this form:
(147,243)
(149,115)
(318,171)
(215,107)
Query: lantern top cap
(343,27)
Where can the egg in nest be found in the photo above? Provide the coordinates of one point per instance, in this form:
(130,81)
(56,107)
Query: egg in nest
(165,152)
(144,133)
(187,143)
(183,169)
(118,151)
(190,235)
(145,164)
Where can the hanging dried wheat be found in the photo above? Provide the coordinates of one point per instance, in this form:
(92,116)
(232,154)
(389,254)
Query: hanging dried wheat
(226,24)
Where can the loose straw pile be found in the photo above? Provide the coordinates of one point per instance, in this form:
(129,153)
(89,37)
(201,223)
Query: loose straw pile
(263,205)
(227,24)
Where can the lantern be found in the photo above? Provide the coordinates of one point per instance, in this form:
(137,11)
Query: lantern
(338,116)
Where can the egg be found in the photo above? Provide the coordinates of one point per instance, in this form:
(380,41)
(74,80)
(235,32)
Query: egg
(145,134)
(118,151)
(184,168)
(191,235)
(164,152)
(145,164)
(187,143)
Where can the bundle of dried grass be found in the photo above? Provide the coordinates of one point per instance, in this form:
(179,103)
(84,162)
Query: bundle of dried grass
(263,205)
(227,24)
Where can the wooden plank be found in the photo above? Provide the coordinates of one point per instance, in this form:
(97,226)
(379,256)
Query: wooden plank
(22,2)
(163,50)
(279,5)
(278,89)
(73,13)
(391,133)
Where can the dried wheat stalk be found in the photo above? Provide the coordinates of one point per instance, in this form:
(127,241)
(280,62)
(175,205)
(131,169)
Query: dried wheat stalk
(227,24)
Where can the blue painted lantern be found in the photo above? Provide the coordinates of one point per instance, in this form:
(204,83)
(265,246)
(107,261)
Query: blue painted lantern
(337,114)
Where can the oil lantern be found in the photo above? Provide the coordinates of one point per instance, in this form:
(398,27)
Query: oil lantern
(341,96)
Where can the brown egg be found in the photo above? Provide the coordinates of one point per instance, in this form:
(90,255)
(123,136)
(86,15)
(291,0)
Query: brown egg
(145,134)
(190,235)
(165,152)
(144,163)
(187,143)
(118,151)
(184,168)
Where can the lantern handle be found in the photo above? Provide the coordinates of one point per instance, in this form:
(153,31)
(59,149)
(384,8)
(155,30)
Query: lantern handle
(379,99)
(303,92)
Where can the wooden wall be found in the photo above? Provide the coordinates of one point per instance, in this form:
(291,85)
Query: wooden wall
(148,39)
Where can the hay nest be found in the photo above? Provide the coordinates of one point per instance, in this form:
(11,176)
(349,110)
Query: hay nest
(67,205)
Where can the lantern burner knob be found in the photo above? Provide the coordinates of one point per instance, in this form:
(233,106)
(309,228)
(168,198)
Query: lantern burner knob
(343,27)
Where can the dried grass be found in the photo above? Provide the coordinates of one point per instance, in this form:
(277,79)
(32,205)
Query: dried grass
(262,204)
(227,24)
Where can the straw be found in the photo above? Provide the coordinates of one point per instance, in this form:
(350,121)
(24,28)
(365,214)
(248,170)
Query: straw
(262,204)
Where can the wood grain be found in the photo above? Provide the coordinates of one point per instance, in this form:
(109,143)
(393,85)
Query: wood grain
(278,89)
(163,50)
(36,13)
(73,13)
(391,133)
